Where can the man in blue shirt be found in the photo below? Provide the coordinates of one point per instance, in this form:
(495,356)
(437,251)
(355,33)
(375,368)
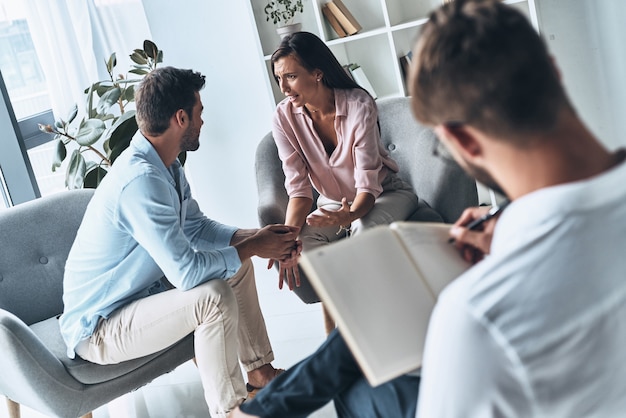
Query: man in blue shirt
(147,268)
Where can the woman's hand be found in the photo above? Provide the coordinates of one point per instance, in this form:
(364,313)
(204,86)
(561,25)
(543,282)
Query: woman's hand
(287,271)
(324,217)
(288,268)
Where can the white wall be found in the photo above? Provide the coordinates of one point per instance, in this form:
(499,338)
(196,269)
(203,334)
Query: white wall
(587,38)
(218,39)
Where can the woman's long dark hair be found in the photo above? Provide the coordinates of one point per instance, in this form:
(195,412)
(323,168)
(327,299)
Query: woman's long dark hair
(313,54)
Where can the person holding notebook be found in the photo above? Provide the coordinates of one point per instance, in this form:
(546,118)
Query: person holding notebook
(327,134)
(536,327)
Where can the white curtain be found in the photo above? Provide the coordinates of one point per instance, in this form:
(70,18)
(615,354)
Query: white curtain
(74,38)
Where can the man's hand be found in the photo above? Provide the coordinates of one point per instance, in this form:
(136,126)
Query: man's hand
(474,244)
(277,242)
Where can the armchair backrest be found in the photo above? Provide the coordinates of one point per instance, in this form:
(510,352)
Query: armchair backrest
(35,240)
(443,185)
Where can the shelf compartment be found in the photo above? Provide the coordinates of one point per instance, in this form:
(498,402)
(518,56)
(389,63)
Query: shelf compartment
(375,56)
(402,11)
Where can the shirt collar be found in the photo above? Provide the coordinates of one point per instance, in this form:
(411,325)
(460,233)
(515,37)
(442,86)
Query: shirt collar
(341,104)
(142,146)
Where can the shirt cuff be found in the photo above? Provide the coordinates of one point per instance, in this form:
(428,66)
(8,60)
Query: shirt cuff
(232,261)
(223,236)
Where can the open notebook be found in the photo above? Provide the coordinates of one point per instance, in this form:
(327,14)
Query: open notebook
(380,287)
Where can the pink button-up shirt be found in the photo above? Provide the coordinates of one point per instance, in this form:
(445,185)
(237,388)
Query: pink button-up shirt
(358,164)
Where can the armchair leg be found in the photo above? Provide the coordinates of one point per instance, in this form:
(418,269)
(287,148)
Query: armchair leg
(329,322)
(14,409)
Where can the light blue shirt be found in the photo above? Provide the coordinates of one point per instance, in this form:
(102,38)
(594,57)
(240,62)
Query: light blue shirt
(142,224)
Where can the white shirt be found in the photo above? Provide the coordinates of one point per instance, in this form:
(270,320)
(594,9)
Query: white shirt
(539,327)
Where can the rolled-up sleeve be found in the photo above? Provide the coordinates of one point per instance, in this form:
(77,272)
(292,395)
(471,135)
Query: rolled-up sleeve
(366,153)
(296,172)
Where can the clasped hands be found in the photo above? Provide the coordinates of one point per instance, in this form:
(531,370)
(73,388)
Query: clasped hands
(288,268)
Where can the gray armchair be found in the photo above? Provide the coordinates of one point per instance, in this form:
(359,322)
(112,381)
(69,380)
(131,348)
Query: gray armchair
(35,240)
(443,189)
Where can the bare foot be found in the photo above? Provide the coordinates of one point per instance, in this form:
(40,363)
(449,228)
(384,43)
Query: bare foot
(260,377)
(238,413)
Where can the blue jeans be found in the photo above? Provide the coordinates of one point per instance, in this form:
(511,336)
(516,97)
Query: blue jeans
(331,373)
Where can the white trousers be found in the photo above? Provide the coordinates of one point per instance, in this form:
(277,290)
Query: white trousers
(227,323)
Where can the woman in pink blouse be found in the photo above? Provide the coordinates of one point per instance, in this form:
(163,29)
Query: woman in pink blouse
(328,138)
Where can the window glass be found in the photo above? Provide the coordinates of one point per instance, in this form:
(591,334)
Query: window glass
(25,81)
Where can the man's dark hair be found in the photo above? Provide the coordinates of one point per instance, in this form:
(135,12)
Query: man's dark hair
(162,93)
(482,63)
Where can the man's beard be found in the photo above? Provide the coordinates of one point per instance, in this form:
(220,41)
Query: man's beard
(191,138)
(482,176)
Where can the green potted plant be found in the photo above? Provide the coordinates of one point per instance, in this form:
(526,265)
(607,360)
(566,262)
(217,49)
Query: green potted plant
(108,125)
(282,14)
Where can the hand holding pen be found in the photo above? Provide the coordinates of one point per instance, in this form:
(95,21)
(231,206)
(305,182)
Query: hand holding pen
(473,231)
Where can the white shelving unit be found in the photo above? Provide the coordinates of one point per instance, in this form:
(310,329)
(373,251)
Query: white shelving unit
(389,29)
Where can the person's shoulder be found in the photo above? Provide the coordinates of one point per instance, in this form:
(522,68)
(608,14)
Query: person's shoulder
(356,99)
(133,167)
(284,107)
(358,95)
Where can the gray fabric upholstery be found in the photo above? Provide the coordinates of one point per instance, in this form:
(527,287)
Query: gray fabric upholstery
(35,241)
(444,190)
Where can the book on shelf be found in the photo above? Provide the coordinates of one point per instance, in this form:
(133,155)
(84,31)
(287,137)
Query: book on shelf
(334,23)
(344,17)
(405,64)
(361,79)
(399,269)
(346,68)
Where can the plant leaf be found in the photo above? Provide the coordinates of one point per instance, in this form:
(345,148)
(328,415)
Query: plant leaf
(72,114)
(129,93)
(139,58)
(111,63)
(74,177)
(89,165)
(159,57)
(108,99)
(60,152)
(121,133)
(138,71)
(101,89)
(89,132)
(106,117)
(94,177)
(59,123)
(91,112)
(150,49)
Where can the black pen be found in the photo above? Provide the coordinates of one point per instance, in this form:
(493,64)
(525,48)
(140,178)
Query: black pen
(493,212)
